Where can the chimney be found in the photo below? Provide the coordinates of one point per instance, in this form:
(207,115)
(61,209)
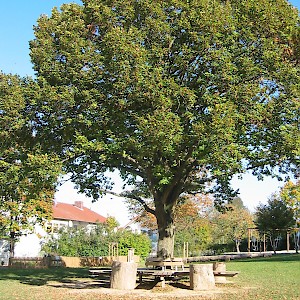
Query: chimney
(79,204)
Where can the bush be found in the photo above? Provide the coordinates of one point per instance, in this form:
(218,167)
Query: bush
(80,243)
(140,242)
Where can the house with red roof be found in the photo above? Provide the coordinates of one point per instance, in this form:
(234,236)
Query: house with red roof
(73,215)
(65,215)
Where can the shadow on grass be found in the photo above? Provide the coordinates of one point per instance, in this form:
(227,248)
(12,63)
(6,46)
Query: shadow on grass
(40,277)
(79,284)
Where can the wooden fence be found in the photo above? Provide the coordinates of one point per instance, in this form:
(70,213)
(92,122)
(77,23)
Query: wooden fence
(29,262)
(64,261)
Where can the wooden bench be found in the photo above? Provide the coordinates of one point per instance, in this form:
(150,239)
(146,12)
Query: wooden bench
(226,273)
(97,272)
(164,264)
(161,275)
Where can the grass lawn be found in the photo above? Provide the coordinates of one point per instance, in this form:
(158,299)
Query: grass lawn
(276,277)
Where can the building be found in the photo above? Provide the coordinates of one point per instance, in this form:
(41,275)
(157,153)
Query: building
(73,215)
(64,216)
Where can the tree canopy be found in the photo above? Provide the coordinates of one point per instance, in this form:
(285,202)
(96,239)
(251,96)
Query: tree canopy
(27,175)
(177,95)
(274,217)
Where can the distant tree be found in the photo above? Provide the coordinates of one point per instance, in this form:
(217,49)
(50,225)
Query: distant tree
(290,195)
(237,203)
(232,225)
(273,217)
(192,224)
(177,95)
(111,224)
(27,176)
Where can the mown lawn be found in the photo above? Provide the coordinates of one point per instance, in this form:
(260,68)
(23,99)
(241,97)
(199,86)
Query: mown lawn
(276,277)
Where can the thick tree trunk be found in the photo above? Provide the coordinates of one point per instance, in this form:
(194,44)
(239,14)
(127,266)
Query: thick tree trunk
(166,230)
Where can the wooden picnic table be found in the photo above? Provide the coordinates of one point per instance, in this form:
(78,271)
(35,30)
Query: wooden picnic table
(168,269)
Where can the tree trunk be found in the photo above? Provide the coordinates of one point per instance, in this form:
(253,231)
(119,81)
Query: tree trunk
(166,230)
(273,244)
(237,245)
(12,244)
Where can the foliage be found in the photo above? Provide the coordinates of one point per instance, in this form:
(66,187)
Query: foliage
(176,95)
(111,224)
(290,195)
(192,225)
(27,175)
(232,225)
(198,238)
(140,242)
(79,242)
(273,217)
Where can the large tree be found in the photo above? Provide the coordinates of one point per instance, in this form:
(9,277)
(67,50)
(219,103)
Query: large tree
(27,176)
(174,94)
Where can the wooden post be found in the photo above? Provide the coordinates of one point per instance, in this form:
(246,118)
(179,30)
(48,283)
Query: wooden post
(202,277)
(185,250)
(220,267)
(249,242)
(130,255)
(123,275)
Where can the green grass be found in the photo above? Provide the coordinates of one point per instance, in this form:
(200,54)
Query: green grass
(276,277)
(39,284)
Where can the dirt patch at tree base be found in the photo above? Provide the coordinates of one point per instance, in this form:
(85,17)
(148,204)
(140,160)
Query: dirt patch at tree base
(146,290)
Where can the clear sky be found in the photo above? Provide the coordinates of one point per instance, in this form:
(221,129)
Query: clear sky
(17,18)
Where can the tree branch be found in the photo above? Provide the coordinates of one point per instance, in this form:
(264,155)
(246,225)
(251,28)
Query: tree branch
(131,196)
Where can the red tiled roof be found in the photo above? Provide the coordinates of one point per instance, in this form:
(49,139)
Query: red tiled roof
(64,211)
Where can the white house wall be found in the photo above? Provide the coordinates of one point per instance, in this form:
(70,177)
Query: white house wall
(28,246)
(4,252)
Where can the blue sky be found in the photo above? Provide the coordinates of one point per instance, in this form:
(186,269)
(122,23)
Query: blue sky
(17,18)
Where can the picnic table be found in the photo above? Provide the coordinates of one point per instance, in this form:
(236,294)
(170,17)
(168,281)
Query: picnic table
(162,269)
